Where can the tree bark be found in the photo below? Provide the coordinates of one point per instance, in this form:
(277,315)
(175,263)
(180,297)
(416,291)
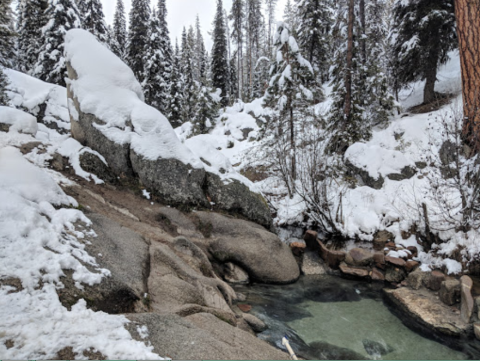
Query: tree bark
(429,90)
(363,41)
(467,13)
(292,144)
(348,75)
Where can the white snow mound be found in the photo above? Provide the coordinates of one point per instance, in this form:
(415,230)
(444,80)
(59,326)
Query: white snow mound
(18,120)
(106,87)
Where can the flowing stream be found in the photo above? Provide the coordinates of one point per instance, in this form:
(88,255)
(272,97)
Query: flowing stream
(327,317)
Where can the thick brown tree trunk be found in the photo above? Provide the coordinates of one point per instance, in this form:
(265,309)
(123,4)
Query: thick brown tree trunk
(468,29)
(348,75)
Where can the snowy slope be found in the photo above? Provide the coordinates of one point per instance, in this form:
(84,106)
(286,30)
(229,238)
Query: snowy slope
(38,240)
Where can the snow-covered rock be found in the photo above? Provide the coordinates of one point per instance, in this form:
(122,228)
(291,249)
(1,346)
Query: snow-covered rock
(109,115)
(17,120)
(47,102)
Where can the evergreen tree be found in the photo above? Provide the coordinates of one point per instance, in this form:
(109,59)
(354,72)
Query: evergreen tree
(176,91)
(237,16)
(200,53)
(93,19)
(157,72)
(189,88)
(290,16)
(120,35)
(233,78)
(4,100)
(219,55)
(138,37)
(166,44)
(261,79)
(206,112)
(270,9)
(61,16)
(424,32)
(315,22)
(7,34)
(31,19)
(253,27)
(290,88)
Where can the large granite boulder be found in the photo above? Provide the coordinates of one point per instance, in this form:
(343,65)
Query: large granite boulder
(108,114)
(247,244)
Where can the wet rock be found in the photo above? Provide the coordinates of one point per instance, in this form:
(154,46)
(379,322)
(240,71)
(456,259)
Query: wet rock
(312,264)
(391,245)
(450,292)
(58,162)
(381,238)
(376,349)
(398,262)
(379,259)
(359,257)
(434,280)
(476,330)
(467,303)
(246,244)
(410,266)
(395,274)
(298,249)
(413,250)
(310,239)
(334,258)
(353,271)
(244,307)
(377,275)
(423,309)
(326,351)
(415,279)
(255,323)
(235,274)
(323,250)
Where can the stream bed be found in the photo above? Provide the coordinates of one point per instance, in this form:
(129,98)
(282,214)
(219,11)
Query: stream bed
(327,317)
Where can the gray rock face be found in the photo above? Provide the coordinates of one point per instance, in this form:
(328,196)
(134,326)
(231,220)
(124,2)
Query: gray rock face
(255,323)
(236,198)
(312,264)
(375,183)
(247,244)
(125,254)
(450,292)
(434,280)
(467,303)
(172,181)
(235,274)
(93,164)
(415,279)
(405,173)
(200,335)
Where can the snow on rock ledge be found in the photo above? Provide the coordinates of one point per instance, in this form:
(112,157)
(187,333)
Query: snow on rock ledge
(16,120)
(108,114)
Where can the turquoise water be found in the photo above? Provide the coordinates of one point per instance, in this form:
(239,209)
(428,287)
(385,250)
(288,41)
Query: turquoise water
(327,317)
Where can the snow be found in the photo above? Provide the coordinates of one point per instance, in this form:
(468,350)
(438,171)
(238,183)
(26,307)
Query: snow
(106,87)
(18,120)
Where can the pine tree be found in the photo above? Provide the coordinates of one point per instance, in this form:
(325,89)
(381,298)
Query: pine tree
(189,88)
(176,91)
(315,23)
(219,55)
(200,53)
(155,85)
(290,88)
(120,35)
(237,15)
(4,100)
(31,19)
(7,34)
(165,42)
(61,16)
(253,26)
(138,37)
(270,9)
(290,16)
(424,33)
(206,112)
(93,19)
(261,77)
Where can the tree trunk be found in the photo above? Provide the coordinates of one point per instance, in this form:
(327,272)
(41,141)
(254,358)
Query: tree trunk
(363,41)
(292,144)
(429,90)
(468,29)
(348,75)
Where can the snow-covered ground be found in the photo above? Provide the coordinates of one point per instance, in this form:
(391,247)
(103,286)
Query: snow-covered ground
(38,240)
(406,140)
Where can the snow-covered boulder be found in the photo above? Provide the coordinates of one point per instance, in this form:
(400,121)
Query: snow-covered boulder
(47,102)
(15,120)
(108,114)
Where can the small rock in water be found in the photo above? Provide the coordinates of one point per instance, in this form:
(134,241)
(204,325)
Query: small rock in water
(358,291)
(326,351)
(244,307)
(375,348)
